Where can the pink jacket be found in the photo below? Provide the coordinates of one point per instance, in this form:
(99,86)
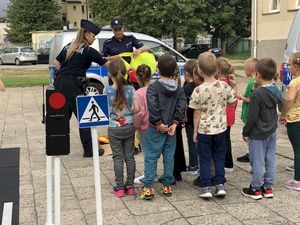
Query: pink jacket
(230,110)
(141,119)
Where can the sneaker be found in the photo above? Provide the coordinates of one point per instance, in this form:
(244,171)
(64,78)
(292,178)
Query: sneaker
(206,193)
(290,168)
(244,158)
(147,193)
(220,190)
(197,182)
(193,170)
(248,192)
(292,184)
(138,180)
(130,191)
(119,192)
(88,154)
(228,170)
(166,191)
(267,192)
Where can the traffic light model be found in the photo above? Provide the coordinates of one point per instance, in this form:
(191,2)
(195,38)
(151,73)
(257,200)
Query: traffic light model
(57,123)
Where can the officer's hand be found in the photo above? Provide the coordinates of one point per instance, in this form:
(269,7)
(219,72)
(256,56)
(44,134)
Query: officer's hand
(137,52)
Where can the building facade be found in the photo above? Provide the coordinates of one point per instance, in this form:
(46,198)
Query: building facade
(72,11)
(271,21)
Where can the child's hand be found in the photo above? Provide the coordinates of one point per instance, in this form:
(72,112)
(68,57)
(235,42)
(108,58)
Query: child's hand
(283,120)
(172,129)
(246,139)
(240,96)
(232,81)
(195,137)
(162,128)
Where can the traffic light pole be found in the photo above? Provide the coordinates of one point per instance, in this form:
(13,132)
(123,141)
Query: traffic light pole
(97,176)
(57,201)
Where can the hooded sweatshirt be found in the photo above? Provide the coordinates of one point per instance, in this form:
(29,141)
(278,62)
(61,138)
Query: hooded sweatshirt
(262,116)
(166,103)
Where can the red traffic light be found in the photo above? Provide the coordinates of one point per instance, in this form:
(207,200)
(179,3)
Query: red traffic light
(57,100)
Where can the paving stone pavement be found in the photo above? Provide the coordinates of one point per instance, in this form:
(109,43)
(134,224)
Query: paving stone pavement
(20,126)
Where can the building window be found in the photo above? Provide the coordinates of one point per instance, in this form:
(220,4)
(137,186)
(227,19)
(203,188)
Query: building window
(74,7)
(274,5)
(82,9)
(75,24)
(63,1)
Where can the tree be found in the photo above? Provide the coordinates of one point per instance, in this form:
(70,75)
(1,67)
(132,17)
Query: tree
(154,17)
(226,19)
(31,15)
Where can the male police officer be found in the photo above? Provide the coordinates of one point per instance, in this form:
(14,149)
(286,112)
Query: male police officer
(120,42)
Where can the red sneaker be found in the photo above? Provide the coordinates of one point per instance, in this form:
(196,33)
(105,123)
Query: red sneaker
(267,193)
(119,192)
(130,191)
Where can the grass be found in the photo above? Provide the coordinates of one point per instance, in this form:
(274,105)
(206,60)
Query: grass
(240,56)
(24,77)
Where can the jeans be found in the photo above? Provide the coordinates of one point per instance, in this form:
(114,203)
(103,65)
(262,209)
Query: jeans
(262,155)
(157,143)
(293,130)
(193,157)
(121,140)
(212,147)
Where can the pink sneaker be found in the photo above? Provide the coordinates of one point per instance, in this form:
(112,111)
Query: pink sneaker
(292,184)
(119,192)
(131,191)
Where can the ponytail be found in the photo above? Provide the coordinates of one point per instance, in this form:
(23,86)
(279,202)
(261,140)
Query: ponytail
(144,74)
(117,70)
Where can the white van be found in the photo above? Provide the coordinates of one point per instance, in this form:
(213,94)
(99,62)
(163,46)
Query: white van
(98,76)
(292,46)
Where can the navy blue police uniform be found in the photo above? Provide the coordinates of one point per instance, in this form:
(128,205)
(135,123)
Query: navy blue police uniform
(113,46)
(69,80)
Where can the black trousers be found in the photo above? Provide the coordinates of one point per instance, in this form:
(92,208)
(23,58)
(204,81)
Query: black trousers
(72,88)
(228,158)
(179,158)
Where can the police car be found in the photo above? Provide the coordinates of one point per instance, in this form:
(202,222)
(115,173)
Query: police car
(97,76)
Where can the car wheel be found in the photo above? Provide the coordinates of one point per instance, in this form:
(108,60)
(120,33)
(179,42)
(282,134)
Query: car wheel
(34,63)
(94,88)
(18,62)
(1,62)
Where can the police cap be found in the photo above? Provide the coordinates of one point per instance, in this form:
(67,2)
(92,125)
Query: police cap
(116,23)
(88,25)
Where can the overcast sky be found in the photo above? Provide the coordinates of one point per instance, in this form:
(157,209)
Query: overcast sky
(3,5)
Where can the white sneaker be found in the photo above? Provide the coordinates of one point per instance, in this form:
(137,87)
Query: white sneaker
(206,193)
(138,179)
(193,173)
(228,170)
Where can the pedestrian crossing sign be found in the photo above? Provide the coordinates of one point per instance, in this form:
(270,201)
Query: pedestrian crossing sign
(92,111)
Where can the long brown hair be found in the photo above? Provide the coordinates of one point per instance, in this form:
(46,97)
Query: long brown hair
(118,71)
(77,44)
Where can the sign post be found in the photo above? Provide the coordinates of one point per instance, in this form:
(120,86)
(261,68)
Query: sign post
(92,112)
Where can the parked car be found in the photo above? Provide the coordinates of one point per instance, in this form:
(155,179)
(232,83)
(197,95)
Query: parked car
(43,55)
(195,50)
(292,46)
(96,75)
(18,55)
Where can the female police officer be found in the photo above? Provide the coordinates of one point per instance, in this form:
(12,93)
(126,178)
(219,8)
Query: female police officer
(72,63)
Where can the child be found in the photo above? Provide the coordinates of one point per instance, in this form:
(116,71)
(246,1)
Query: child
(260,130)
(209,104)
(291,117)
(179,157)
(188,89)
(249,72)
(224,74)
(122,105)
(141,119)
(166,105)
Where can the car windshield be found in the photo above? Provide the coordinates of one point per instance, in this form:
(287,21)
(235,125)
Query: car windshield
(26,50)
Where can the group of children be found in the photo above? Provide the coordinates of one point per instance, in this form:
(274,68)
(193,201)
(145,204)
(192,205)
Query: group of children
(206,105)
